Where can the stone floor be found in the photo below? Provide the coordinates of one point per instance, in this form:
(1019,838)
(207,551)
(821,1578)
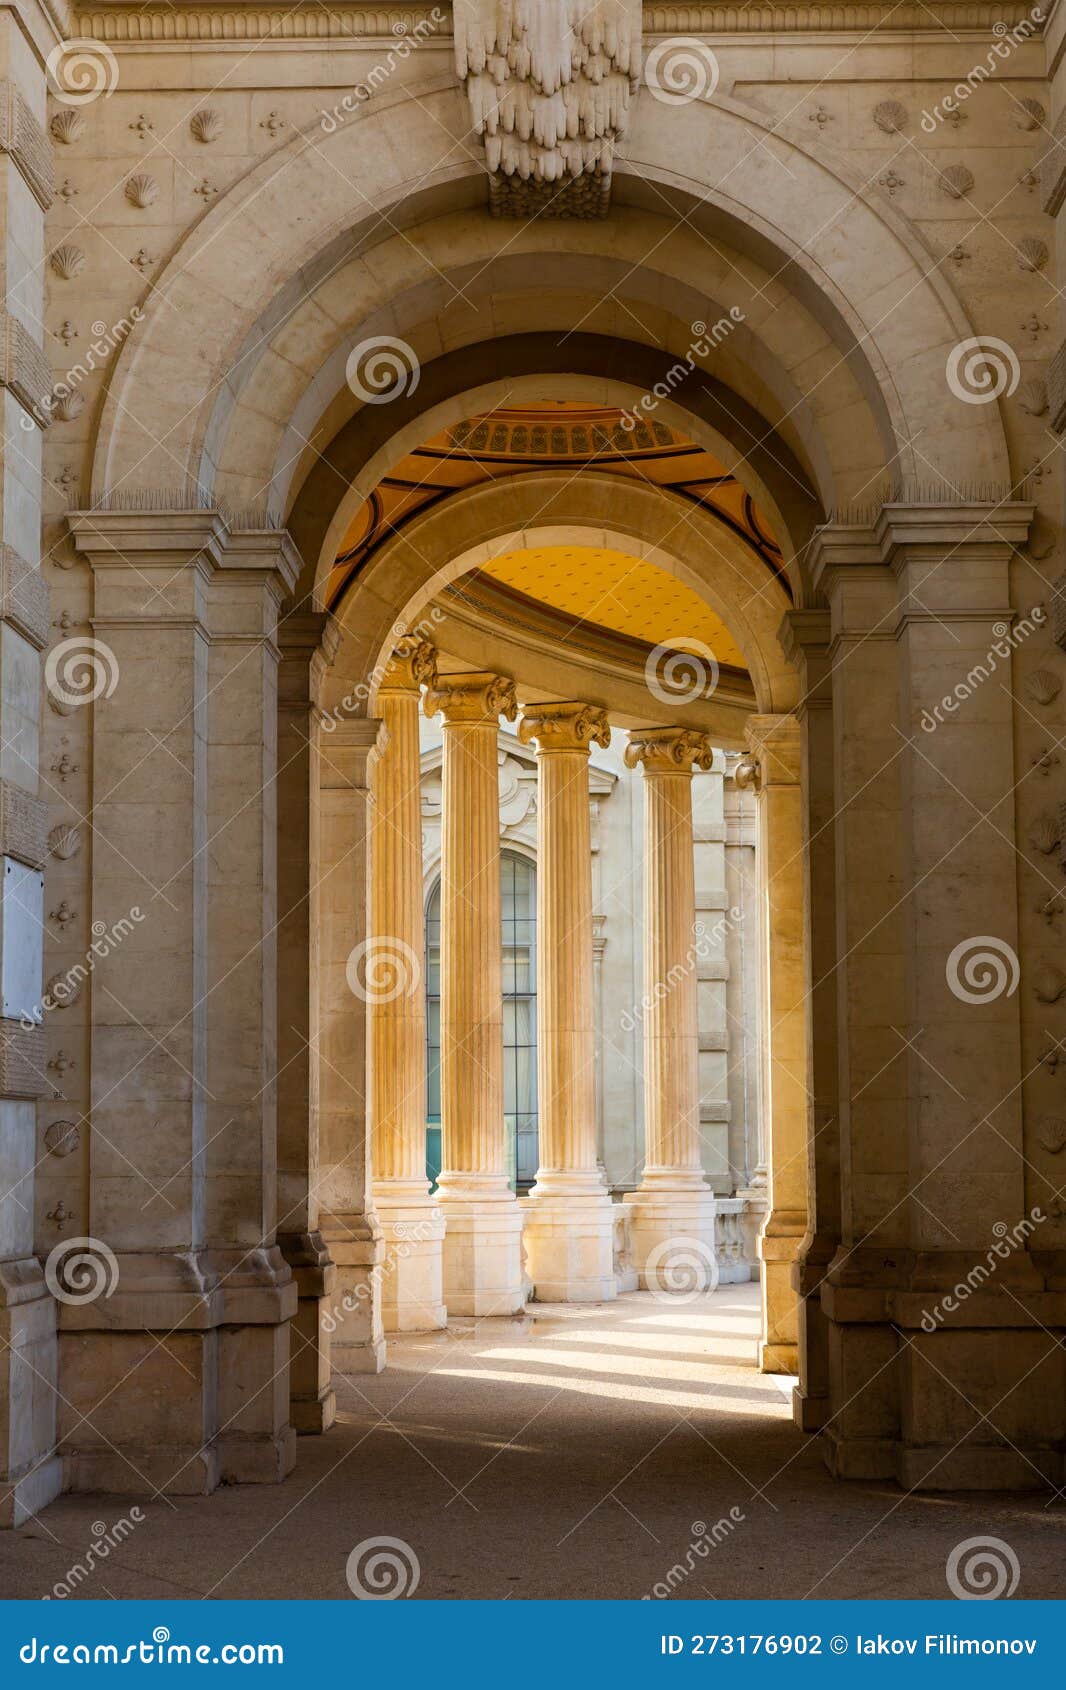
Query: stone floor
(581,1452)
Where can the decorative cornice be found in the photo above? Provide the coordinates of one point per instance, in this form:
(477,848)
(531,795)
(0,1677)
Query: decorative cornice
(564,727)
(24,368)
(219,25)
(475,697)
(22,137)
(668,751)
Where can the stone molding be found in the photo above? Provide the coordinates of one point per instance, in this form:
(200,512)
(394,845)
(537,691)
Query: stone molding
(476,695)
(26,143)
(775,752)
(25,369)
(23,825)
(23,597)
(220,25)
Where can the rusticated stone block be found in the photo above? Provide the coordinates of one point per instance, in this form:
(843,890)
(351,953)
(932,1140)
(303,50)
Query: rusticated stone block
(23,825)
(23,597)
(23,1061)
(22,137)
(24,369)
(1056,389)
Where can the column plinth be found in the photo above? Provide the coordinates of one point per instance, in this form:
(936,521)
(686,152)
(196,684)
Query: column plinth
(569,1214)
(673,1209)
(412,1223)
(483,1222)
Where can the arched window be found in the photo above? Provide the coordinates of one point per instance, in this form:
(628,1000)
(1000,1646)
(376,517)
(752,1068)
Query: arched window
(518,916)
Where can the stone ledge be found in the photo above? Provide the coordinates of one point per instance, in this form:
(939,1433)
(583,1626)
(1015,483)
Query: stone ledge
(1052,169)
(26,143)
(24,369)
(1056,389)
(23,825)
(23,1061)
(23,597)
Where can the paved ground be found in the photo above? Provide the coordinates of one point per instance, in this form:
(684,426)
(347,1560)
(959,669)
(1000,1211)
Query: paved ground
(584,1452)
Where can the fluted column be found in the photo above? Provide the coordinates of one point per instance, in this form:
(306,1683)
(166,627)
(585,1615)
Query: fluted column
(483,1223)
(569,1213)
(411,1221)
(673,1208)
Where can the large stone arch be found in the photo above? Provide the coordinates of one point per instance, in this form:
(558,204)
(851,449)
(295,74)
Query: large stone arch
(235,270)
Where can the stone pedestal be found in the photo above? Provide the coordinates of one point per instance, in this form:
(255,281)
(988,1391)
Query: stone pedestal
(483,1236)
(774,769)
(569,1232)
(672,1225)
(411,1221)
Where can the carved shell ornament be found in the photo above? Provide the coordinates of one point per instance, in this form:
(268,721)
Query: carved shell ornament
(1032,397)
(956,181)
(67,125)
(64,842)
(890,116)
(1032,254)
(1028,114)
(67,261)
(62,1137)
(142,191)
(1051,1134)
(1049,983)
(1044,834)
(206,125)
(68,406)
(1043,686)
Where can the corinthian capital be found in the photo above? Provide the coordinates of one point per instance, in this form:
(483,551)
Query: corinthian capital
(411,664)
(664,751)
(564,727)
(476,695)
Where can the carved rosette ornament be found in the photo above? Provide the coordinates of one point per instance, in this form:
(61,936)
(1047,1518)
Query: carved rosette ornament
(664,751)
(413,664)
(564,727)
(549,84)
(475,695)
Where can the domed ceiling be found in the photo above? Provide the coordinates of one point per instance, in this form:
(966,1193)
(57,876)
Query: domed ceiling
(602,588)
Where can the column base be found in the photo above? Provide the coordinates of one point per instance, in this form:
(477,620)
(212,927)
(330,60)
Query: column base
(412,1227)
(779,1248)
(483,1273)
(31,1473)
(568,1239)
(312,1401)
(179,1380)
(671,1229)
(353,1318)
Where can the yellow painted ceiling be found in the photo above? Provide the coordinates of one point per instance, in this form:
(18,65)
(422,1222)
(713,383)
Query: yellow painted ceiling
(626,596)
